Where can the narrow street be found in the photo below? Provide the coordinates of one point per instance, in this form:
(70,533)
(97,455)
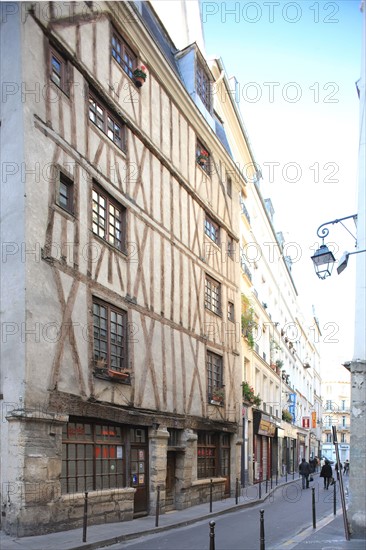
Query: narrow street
(286,514)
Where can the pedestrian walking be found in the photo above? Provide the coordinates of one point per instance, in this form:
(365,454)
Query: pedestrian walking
(346,467)
(326,473)
(338,470)
(304,471)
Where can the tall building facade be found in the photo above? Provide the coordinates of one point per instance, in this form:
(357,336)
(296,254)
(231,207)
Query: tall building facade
(336,412)
(120,298)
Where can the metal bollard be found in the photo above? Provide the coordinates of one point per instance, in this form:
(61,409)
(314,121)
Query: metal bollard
(335,499)
(261,530)
(236,491)
(212,535)
(157,506)
(211,486)
(286,475)
(85,519)
(260,489)
(271,479)
(293,474)
(313,506)
(267,485)
(276,478)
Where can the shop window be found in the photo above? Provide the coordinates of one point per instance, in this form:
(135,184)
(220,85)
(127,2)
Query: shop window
(92,457)
(207,451)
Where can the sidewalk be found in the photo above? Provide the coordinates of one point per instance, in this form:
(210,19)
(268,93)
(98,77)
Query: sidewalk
(111,533)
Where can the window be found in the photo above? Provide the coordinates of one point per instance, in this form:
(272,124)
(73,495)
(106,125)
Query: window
(65,197)
(343,438)
(329,438)
(123,54)
(229,185)
(230,311)
(59,70)
(108,219)
(203,157)
(230,247)
(214,372)
(92,457)
(207,455)
(213,295)
(110,336)
(203,85)
(107,122)
(343,421)
(212,230)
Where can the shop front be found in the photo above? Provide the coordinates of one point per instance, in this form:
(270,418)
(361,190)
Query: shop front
(263,443)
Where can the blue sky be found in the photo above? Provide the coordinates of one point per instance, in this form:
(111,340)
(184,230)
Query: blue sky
(311,52)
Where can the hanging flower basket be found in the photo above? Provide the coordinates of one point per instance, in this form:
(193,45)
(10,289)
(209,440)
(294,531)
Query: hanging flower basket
(140,75)
(202,157)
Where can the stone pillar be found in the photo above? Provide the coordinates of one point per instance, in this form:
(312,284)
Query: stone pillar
(186,469)
(35,457)
(356,509)
(158,443)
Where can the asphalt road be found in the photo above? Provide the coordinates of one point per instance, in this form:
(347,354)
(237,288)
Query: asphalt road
(286,514)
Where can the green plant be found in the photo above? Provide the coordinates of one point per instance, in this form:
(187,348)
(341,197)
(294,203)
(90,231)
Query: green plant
(140,72)
(218,393)
(279,363)
(248,324)
(249,395)
(286,415)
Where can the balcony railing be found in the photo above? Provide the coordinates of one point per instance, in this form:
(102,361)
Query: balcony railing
(244,210)
(246,269)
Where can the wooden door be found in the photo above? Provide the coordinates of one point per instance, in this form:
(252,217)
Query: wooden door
(170,480)
(139,469)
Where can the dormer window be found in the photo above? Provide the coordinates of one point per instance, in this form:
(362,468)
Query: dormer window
(203,85)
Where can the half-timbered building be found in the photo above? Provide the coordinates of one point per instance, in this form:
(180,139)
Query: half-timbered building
(120,289)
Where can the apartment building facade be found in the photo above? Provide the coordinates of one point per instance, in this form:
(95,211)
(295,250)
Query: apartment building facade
(120,295)
(337,413)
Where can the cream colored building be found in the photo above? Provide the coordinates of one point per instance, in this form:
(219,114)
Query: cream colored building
(337,412)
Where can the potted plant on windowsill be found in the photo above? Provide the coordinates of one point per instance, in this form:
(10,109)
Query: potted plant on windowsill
(120,374)
(286,415)
(279,365)
(202,157)
(140,75)
(249,395)
(217,396)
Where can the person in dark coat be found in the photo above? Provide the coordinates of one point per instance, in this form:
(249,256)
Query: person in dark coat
(346,467)
(304,471)
(326,473)
(336,468)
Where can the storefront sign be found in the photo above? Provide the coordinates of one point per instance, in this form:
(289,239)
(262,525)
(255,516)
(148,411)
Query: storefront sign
(306,421)
(313,419)
(292,406)
(263,425)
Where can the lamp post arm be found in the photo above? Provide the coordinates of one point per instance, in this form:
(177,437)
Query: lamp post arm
(323,231)
(356,252)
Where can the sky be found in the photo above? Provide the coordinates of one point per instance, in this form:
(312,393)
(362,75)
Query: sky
(296,64)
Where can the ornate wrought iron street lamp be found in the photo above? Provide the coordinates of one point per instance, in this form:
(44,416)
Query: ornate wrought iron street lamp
(323,258)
